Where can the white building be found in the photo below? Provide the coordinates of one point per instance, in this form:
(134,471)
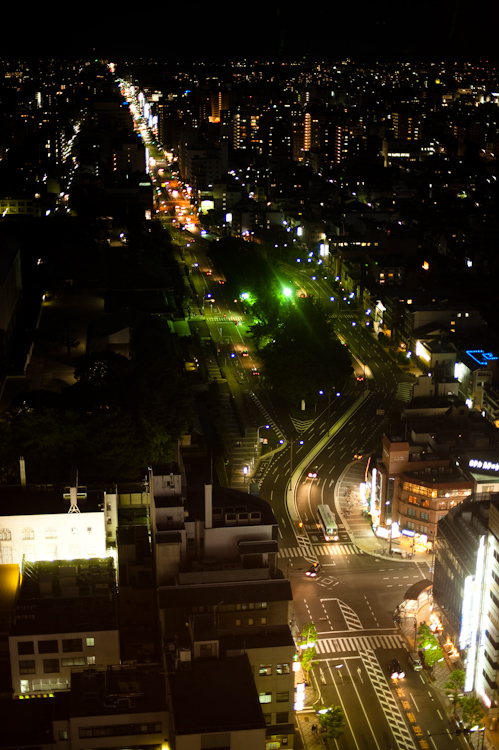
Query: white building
(49,525)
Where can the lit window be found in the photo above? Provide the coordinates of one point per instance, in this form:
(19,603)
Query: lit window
(282,668)
(265,697)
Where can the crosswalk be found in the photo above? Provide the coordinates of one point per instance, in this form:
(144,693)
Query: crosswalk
(358,643)
(404,391)
(313,551)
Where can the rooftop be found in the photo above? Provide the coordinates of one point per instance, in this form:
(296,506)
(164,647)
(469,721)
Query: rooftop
(213,695)
(118,690)
(66,596)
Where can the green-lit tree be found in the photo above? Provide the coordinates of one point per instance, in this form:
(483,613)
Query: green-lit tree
(332,722)
(454,687)
(428,642)
(308,660)
(306,644)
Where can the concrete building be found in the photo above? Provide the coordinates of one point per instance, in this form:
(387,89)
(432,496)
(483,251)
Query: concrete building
(220,592)
(114,707)
(467,591)
(416,484)
(214,704)
(56,523)
(65,616)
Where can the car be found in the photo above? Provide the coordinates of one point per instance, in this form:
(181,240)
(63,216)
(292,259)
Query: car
(209,272)
(245,353)
(415,661)
(254,371)
(360,378)
(313,473)
(358,455)
(314,569)
(221,281)
(395,670)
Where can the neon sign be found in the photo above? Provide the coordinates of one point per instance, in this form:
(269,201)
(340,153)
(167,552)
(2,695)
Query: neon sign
(483,358)
(475,463)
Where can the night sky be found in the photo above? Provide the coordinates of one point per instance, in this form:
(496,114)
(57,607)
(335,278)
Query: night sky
(381,29)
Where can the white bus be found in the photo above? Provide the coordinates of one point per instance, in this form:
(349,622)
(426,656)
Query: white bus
(328,523)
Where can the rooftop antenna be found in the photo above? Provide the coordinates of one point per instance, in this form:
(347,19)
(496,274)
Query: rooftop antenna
(73,491)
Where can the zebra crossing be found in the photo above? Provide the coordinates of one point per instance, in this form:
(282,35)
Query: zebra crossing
(313,551)
(358,643)
(225,319)
(404,391)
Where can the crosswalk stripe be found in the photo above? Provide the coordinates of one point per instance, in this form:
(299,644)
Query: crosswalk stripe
(313,551)
(359,642)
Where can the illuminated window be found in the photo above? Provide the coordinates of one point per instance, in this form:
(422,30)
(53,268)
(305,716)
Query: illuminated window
(265,697)
(90,641)
(282,668)
(5,535)
(73,661)
(28,534)
(265,670)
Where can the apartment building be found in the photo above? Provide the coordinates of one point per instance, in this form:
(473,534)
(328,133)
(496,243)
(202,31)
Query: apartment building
(220,592)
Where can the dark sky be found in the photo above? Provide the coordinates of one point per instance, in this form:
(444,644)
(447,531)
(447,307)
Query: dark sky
(380,29)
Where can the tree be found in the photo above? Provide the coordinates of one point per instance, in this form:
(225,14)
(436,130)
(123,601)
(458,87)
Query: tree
(332,722)
(304,356)
(453,688)
(427,641)
(308,633)
(471,712)
(306,644)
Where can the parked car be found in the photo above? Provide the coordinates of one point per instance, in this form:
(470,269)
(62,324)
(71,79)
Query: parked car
(415,661)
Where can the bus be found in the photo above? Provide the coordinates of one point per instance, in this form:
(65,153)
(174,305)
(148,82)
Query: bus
(328,523)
